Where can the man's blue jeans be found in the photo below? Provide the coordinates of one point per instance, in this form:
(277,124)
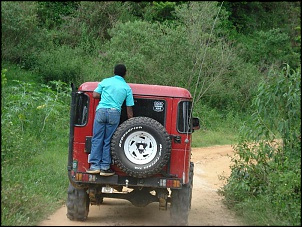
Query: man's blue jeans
(105,123)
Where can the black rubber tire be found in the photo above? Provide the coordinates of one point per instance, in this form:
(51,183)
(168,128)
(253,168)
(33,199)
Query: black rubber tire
(181,201)
(77,203)
(141,147)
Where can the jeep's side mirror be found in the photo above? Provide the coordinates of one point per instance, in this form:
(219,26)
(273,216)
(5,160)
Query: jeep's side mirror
(195,123)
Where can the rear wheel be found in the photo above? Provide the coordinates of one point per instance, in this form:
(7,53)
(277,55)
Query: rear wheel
(181,201)
(77,203)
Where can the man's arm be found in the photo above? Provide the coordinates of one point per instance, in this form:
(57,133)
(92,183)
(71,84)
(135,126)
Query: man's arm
(96,95)
(129,112)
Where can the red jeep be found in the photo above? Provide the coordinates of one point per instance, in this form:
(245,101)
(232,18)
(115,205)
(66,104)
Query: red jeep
(151,152)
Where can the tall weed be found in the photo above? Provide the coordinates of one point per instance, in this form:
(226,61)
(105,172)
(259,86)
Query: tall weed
(34,131)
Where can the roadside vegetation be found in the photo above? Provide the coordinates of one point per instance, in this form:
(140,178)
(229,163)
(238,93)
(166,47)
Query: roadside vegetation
(265,183)
(240,61)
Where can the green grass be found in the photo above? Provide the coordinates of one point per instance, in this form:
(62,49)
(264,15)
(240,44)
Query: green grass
(15,73)
(260,212)
(36,186)
(207,138)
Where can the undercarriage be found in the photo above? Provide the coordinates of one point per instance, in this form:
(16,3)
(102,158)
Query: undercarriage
(138,196)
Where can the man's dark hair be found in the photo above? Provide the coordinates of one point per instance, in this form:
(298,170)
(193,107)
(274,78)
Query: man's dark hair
(120,70)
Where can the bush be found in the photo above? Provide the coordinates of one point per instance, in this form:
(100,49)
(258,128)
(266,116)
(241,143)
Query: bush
(63,63)
(267,162)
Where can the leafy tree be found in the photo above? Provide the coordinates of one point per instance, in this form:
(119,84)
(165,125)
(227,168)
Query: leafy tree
(216,72)
(89,25)
(160,11)
(250,16)
(52,14)
(268,50)
(21,37)
(267,30)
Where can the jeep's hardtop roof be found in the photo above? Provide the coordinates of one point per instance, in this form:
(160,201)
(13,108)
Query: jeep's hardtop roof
(146,89)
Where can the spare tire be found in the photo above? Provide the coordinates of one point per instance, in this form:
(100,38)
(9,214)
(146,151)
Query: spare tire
(141,147)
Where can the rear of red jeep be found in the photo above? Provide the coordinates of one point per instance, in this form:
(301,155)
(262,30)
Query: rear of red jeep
(151,152)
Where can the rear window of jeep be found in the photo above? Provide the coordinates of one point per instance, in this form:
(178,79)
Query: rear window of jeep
(153,108)
(81,109)
(184,117)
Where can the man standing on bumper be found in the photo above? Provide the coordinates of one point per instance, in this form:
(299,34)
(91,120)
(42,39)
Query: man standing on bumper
(113,91)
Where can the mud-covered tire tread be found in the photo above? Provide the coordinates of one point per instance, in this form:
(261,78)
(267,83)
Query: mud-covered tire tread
(150,124)
(77,203)
(181,201)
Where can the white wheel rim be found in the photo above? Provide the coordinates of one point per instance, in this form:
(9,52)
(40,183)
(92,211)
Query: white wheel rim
(140,147)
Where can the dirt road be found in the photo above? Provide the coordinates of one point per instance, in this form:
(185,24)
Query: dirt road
(207,208)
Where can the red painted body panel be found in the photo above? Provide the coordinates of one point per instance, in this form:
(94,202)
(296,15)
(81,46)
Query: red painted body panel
(80,155)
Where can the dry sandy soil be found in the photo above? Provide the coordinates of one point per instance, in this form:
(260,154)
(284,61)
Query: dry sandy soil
(207,208)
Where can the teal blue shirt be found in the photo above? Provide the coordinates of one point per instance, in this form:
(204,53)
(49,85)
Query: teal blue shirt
(114,91)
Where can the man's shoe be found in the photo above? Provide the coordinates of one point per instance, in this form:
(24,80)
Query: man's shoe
(108,172)
(95,171)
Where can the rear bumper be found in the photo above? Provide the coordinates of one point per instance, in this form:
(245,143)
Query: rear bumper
(127,181)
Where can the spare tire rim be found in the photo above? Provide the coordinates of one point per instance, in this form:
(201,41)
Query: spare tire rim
(140,147)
